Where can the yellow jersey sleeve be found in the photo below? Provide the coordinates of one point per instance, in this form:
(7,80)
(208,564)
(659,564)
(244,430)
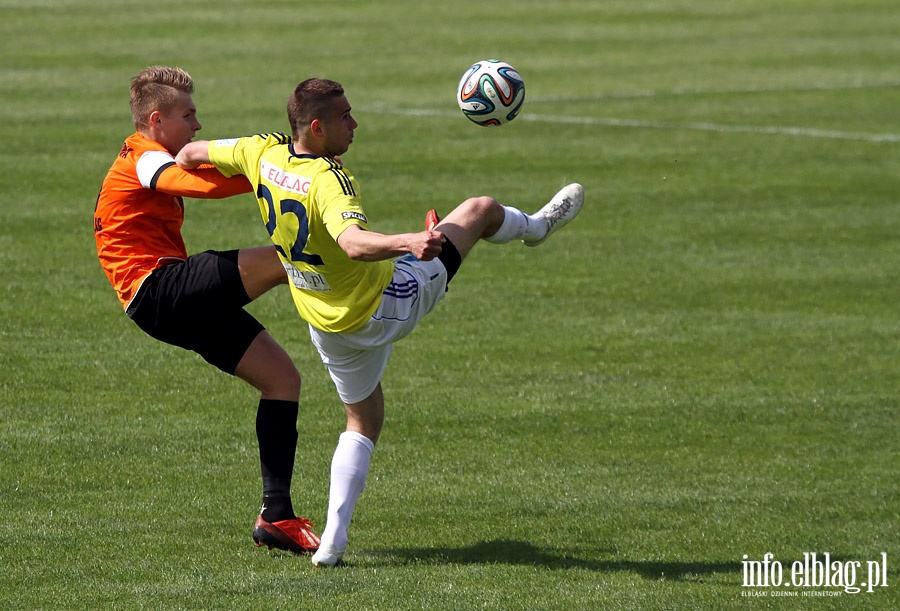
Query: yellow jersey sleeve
(336,195)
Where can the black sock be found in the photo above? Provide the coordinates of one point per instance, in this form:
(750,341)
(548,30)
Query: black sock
(276,430)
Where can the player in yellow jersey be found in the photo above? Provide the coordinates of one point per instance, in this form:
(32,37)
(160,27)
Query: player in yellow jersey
(197,302)
(359,290)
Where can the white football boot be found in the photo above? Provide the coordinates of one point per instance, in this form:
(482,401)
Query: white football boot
(560,210)
(327,556)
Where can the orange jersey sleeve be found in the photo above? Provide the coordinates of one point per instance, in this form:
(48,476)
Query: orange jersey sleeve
(140,211)
(203,182)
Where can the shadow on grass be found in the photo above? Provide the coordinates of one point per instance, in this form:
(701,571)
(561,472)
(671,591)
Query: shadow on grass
(504,551)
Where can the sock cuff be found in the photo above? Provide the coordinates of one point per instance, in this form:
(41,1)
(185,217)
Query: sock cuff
(508,229)
(354,437)
(287,408)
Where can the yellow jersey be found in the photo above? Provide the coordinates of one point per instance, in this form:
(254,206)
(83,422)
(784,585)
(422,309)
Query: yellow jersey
(306,202)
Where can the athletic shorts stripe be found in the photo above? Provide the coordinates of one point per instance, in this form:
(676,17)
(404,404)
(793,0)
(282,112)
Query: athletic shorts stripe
(402,290)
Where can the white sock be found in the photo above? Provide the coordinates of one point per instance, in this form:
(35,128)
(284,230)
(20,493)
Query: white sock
(518,226)
(349,468)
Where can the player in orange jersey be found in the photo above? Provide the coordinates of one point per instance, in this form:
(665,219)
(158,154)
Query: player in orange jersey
(197,302)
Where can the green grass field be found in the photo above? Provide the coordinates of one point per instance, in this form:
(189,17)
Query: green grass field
(702,368)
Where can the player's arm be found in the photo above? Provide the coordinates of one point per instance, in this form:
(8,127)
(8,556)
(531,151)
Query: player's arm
(364,245)
(203,182)
(193,154)
(157,170)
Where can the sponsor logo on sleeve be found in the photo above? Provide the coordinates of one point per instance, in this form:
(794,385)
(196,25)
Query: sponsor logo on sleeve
(355,215)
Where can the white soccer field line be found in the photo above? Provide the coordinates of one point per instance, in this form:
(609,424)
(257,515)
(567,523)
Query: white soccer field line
(776,130)
(725,128)
(748,89)
(780,130)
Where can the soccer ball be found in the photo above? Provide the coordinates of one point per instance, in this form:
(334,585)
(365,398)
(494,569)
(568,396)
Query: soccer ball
(491,93)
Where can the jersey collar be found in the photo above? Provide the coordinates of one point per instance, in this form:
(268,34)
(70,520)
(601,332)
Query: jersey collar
(301,156)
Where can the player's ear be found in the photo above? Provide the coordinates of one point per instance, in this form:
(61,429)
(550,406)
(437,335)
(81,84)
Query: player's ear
(155,119)
(316,128)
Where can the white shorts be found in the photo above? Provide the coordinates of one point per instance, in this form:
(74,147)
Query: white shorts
(356,361)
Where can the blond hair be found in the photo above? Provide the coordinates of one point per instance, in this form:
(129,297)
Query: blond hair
(157,88)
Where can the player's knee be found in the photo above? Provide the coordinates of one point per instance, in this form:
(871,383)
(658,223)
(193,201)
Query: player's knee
(285,387)
(270,369)
(484,206)
(288,381)
(486,209)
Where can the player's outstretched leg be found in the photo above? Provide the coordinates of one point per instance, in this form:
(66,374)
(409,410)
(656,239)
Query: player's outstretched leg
(533,229)
(559,211)
(485,218)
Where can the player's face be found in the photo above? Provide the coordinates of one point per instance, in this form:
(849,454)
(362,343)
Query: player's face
(177,126)
(339,126)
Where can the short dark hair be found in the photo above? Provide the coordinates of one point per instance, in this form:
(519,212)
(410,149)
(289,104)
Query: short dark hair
(310,100)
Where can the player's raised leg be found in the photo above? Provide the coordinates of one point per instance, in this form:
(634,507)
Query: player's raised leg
(559,211)
(485,218)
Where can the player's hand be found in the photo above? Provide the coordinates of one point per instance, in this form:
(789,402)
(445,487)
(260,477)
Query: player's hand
(427,245)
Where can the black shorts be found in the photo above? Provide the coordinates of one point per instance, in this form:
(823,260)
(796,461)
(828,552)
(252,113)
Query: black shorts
(198,304)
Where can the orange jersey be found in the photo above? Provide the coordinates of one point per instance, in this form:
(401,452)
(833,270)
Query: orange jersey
(140,210)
